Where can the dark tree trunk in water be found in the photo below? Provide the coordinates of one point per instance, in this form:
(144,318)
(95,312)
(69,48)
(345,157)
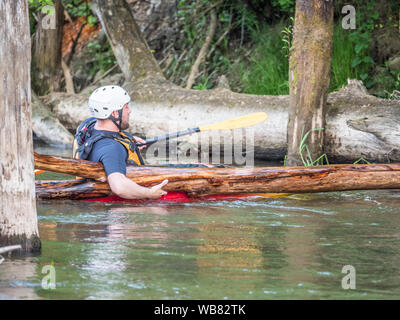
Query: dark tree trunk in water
(18,219)
(131,50)
(310,62)
(46,52)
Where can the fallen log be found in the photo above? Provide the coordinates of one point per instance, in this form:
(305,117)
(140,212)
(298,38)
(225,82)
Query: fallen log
(71,190)
(9,248)
(82,168)
(198,182)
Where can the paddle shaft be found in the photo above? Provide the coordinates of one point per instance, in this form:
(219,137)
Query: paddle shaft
(168,136)
(240,122)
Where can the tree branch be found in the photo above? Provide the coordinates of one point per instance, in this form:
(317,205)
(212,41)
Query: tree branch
(203,50)
(69,83)
(74,44)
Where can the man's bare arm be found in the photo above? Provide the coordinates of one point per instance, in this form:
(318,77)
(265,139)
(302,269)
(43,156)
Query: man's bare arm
(127,189)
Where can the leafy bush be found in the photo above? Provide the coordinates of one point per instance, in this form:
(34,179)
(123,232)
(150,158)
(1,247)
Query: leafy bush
(268,67)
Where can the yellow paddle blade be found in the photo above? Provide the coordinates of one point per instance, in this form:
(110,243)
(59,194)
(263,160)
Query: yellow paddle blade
(241,122)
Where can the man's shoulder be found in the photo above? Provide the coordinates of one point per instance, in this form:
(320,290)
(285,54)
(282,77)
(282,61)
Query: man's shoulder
(108,145)
(105,137)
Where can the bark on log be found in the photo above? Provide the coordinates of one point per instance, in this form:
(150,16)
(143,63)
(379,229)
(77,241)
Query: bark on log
(309,71)
(71,190)
(357,124)
(47,127)
(83,168)
(18,218)
(209,181)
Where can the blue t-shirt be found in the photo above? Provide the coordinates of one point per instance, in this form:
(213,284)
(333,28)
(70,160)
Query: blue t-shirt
(112,154)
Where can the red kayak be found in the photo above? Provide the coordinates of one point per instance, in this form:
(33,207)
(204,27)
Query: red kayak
(179,196)
(176,196)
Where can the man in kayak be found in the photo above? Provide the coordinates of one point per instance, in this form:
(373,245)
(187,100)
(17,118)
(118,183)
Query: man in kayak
(102,139)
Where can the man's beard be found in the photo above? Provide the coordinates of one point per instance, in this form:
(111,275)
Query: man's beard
(124,125)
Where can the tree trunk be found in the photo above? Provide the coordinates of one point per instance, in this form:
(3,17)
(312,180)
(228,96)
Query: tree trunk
(46,52)
(131,50)
(310,62)
(199,182)
(18,219)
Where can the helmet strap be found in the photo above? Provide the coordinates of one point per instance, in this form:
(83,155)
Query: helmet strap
(116,120)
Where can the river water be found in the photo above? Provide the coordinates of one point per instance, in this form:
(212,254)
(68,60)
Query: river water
(293,247)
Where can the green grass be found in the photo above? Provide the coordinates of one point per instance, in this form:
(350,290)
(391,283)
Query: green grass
(342,58)
(305,154)
(267,67)
(266,71)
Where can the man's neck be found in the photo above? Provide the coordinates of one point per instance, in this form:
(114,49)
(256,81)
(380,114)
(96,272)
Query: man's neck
(106,125)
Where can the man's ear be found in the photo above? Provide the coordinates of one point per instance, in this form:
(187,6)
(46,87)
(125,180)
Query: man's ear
(115,114)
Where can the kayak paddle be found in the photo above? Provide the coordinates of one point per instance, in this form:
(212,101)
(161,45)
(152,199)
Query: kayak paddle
(241,122)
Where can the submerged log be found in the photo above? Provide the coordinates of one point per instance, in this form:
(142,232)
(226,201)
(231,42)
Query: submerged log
(199,182)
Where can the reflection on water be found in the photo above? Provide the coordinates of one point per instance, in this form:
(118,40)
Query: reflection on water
(285,248)
(43,148)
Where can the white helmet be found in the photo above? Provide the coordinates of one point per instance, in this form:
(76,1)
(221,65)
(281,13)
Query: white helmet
(104,100)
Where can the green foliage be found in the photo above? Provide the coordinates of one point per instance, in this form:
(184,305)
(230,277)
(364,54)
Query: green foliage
(204,83)
(303,149)
(389,80)
(37,5)
(367,17)
(254,53)
(362,160)
(343,54)
(79,8)
(266,72)
(284,5)
(104,57)
(287,37)
(75,8)
(237,24)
